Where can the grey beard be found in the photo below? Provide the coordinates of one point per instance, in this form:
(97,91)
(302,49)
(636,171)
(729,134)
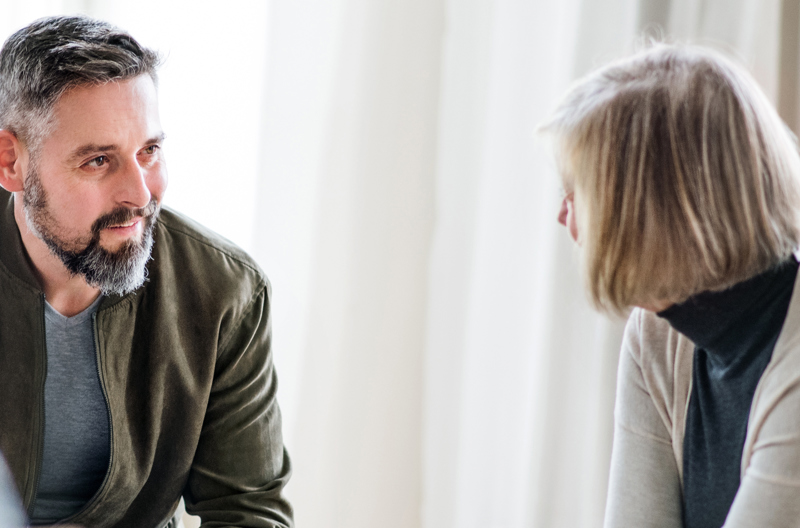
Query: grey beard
(118,272)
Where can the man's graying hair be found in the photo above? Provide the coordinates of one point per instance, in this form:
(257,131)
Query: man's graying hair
(42,61)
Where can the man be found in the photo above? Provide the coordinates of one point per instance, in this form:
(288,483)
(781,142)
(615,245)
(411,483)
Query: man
(135,363)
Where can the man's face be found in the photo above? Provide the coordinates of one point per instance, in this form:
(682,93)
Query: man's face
(93,187)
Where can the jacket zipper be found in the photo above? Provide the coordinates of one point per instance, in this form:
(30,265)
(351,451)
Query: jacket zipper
(99,492)
(108,407)
(37,462)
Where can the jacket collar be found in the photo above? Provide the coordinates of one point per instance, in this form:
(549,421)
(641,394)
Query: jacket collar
(12,252)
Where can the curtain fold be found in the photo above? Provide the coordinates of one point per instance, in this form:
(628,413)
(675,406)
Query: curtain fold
(519,385)
(355,434)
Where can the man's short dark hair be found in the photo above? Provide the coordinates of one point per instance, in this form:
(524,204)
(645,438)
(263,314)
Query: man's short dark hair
(41,62)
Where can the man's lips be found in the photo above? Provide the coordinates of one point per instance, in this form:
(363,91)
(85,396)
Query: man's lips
(128,225)
(121,219)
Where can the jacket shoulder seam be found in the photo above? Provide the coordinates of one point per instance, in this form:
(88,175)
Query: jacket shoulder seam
(215,247)
(247,309)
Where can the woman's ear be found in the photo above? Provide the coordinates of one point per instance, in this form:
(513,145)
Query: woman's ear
(11,172)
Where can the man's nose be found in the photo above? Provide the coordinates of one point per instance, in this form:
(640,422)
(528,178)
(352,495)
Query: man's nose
(133,190)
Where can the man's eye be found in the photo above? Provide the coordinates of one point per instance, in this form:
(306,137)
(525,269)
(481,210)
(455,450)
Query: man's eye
(151,149)
(97,162)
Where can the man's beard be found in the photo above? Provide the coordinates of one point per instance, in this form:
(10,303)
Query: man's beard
(113,272)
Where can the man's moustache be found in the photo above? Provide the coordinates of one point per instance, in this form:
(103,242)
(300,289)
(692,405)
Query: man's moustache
(123,215)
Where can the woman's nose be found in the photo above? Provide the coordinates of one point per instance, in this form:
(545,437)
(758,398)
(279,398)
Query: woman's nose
(562,214)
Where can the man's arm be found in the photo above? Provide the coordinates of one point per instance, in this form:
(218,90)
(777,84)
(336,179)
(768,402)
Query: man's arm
(241,466)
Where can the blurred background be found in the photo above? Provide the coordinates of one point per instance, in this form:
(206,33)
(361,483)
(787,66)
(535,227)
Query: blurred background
(439,364)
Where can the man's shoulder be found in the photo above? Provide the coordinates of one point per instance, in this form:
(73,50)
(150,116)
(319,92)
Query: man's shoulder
(187,232)
(186,251)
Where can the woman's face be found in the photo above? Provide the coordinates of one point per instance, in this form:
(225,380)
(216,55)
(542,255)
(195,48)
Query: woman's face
(566,216)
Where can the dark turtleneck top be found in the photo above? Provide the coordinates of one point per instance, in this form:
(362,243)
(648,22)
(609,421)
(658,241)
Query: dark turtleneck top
(734,332)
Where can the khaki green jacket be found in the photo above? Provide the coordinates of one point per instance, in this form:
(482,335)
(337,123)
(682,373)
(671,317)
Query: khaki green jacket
(186,369)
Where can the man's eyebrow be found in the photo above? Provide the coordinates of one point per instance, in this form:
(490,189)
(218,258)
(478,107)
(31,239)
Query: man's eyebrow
(159,138)
(92,148)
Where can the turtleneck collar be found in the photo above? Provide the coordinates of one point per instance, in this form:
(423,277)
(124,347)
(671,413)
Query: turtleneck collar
(739,317)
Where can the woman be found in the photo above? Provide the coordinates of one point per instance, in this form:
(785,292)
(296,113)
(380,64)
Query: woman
(683,192)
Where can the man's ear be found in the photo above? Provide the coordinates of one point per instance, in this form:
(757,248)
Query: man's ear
(11,153)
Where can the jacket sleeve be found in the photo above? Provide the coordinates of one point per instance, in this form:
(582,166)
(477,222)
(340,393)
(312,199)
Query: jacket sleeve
(644,488)
(241,466)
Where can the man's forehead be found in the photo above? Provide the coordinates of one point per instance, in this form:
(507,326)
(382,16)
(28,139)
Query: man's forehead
(104,115)
(140,89)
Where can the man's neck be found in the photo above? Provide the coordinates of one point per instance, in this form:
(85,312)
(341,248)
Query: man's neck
(67,293)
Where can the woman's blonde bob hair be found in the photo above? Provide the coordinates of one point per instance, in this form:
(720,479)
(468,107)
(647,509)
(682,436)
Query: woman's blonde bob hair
(685,178)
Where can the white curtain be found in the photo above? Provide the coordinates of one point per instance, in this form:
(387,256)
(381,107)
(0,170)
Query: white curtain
(449,371)
(439,365)
(346,214)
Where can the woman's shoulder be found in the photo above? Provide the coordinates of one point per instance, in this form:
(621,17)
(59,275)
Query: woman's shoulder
(783,371)
(654,345)
(657,360)
(782,375)
(773,428)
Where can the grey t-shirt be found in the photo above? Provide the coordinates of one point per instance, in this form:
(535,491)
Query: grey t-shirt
(76,430)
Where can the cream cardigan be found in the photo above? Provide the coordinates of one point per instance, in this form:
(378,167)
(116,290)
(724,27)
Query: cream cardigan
(653,386)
